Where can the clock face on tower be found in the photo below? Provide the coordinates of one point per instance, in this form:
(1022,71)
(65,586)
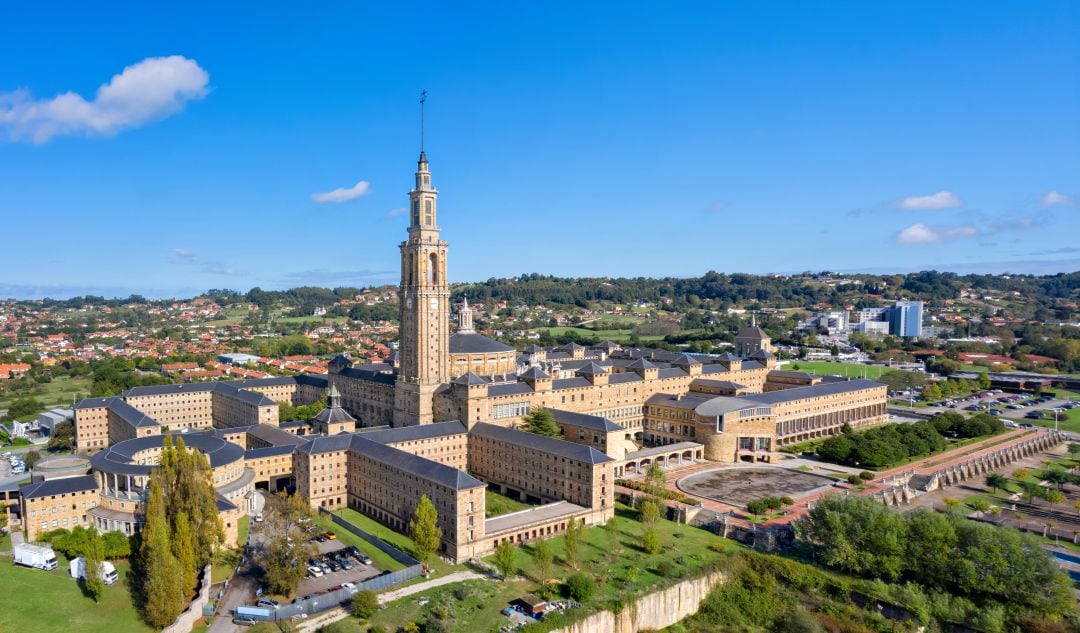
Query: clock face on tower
(408,302)
(434,303)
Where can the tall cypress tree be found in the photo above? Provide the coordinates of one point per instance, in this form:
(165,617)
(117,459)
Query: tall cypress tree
(424,529)
(94,555)
(164,595)
(183,550)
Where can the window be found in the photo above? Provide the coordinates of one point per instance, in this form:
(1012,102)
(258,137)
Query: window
(416,212)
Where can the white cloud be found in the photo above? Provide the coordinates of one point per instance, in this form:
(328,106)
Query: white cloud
(939,200)
(343,194)
(151,89)
(1053,197)
(395,213)
(922,234)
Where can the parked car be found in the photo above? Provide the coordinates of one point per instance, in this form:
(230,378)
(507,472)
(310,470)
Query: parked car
(269,603)
(244,620)
(314,571)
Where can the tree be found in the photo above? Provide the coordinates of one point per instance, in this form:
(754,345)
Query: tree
(63,437)
(1074,449)
(581,586)
(94,555)
(424,529)
(932,393)
(1056,476)
(544,559)
(980,505)
(162,585)
(996,481)
(31,458)
(365,604)
(984,380)
(283,556)
(540,421)
(572,541)
(506,558)
(184,550)
(649,513)
(1055,497)
(1021,473)
(186,480)
(655,479)
(856,534)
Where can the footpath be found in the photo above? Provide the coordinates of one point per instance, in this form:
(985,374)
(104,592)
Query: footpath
(313,624)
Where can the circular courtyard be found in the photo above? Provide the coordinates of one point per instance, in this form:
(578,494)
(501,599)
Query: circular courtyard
(739,486)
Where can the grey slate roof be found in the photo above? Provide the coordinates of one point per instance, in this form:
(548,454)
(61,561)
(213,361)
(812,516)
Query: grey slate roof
(473,343)
(341,360)
(723,404)
(753,332)
(670,372)
(712,382)
(534,373)
(752,364)
(550,445)
(685,360)
(591,369)
(469,379)
(594,422)
(333,415)
(624,377)
(118,458)
(680,402)
(413,464)
(412,433)
(511,388)
(269,451)
(274,435)
(641,363)
(130,414)
(360,373)
(812,391)
(762,355)
(59,486)
(787,373)
(569,383)
(326,443)
(727,357)
(94,403)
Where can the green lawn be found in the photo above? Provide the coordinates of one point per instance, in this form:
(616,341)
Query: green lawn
(826,368)
(615,336)
(223,565)
(58,392)
(315,320)
(52,601)
(1067,420)
(380,558)
(242,528)
(496,504)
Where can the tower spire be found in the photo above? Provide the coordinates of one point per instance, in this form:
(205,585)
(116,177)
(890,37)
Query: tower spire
(423,98)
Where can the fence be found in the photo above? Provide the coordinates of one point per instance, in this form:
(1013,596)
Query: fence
(326,601)
(186,620)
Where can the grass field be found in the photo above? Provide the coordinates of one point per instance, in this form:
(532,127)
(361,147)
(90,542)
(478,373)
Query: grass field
(826,368)
(52,601)
(58,392)
(496,504)
(321,320)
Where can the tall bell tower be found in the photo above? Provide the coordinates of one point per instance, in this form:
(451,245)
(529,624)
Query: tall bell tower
(424,301)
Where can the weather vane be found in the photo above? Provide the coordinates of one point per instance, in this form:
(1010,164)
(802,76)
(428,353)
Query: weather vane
(423,98)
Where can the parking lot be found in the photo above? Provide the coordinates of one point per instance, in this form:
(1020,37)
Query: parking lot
(319,584)
(1015,406)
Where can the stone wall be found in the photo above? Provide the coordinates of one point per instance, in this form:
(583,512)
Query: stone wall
(186,620)
(656,610)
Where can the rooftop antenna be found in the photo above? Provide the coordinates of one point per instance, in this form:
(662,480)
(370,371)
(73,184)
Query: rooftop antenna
(423,98)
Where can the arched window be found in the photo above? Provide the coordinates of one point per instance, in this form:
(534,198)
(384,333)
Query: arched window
(433,269)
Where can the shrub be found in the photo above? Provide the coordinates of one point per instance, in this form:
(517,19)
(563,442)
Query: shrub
(757,506)
(786,500)
(651,542)
(581,586)
(773,503)
(854,480)
(365,604)
(666,569)
(866,475)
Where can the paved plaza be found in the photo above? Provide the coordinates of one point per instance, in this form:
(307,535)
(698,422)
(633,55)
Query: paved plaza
(738,486)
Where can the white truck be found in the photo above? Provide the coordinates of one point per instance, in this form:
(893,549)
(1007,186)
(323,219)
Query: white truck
(78,570)
(36,556)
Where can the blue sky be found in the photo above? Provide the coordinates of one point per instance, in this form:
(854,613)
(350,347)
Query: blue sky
(617,139)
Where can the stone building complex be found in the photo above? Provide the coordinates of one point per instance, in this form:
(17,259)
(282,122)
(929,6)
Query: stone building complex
(440,421)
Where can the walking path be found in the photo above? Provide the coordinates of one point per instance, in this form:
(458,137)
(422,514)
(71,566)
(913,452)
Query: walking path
(311,625)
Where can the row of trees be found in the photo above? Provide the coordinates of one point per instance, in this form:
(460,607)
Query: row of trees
(893,443)
(182,530)
(990,564)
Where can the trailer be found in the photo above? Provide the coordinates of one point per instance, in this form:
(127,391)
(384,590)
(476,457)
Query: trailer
(78,570)
(36,556)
